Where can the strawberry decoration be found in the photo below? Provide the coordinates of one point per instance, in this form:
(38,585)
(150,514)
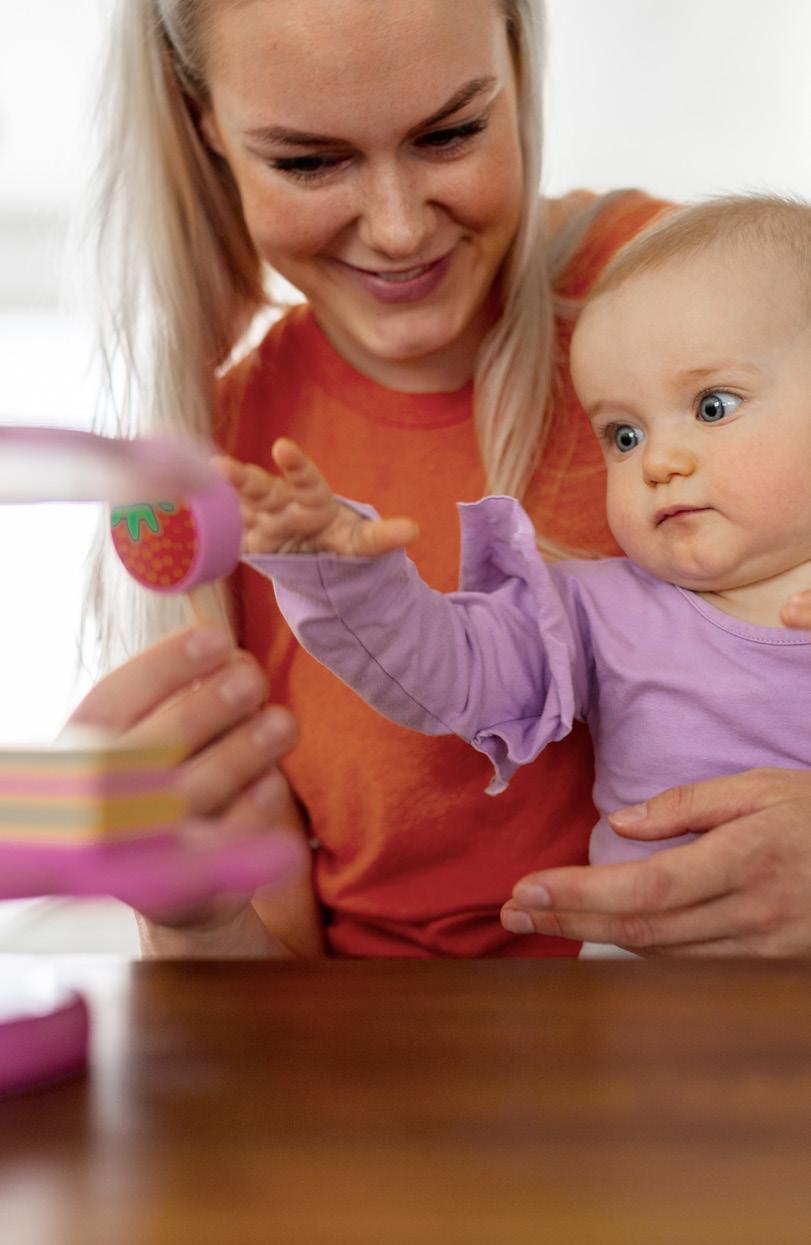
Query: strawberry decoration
(158,543)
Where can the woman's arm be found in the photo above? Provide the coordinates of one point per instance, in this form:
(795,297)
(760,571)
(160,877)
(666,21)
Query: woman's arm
(744,888)
(193,688)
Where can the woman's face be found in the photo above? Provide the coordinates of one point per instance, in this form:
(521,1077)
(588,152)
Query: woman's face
(375,147)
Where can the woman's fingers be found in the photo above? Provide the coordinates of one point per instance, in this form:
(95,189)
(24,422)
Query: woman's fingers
(134,691)
(743,888)
(236,774)
(704,805)
(206,709)
(672,879)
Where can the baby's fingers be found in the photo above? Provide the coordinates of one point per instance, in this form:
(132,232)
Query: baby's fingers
(258,489)
(378,536)
(305,481)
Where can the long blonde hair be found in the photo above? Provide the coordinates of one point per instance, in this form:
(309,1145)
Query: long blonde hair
(182,282)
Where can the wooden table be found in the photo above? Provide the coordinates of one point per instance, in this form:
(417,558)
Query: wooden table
(385,1103)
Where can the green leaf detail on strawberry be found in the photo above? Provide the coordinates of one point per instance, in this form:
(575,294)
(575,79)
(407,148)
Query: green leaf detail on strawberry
(142,513)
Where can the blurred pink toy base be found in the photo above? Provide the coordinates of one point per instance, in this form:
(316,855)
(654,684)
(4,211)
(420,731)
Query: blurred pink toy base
(43,1033)
(159,874)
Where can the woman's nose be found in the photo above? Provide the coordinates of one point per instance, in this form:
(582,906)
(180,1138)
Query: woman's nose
(396,218)
(665,458)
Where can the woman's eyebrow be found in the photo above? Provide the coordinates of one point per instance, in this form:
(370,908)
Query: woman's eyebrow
(283,136)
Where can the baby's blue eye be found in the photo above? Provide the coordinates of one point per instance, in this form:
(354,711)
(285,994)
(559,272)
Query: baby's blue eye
(626,437)
(715,406)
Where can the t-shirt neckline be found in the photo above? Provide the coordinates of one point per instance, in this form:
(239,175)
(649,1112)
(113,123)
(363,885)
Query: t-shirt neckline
(328,370)
(745,630)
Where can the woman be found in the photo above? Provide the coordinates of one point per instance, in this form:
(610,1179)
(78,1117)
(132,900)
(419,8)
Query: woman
(384,158)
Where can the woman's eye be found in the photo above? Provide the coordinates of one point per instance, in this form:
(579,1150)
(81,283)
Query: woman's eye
(625,437)
(305,168)
(715,406)
(453,137)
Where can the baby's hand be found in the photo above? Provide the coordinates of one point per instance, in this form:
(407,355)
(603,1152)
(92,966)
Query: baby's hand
(297,512)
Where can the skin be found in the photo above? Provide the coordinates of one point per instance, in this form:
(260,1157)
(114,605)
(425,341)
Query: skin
(342,171)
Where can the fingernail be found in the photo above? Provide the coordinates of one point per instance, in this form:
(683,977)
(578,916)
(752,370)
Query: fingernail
(531,895)
(517,922)
(627,816)
(273,728)
(206,643)
(240,687)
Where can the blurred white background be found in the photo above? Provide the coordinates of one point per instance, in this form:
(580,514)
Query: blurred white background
(681,97)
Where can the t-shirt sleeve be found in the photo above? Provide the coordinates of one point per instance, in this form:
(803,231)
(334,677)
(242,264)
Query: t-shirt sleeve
(498,662)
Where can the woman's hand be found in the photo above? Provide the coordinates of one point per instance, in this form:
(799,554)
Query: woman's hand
(193,688)
(744,888)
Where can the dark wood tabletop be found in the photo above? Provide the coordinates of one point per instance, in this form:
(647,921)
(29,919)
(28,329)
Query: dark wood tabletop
(385,1103)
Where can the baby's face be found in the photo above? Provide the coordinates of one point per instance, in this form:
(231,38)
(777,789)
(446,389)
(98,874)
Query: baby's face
(697,380)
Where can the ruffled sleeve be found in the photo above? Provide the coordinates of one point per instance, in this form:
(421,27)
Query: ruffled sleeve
(497,662)
(500,558)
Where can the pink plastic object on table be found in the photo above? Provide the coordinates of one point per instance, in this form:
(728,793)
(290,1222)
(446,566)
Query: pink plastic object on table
(44,1031)
(191,863)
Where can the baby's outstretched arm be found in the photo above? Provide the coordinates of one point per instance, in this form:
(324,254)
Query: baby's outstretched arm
(297,512)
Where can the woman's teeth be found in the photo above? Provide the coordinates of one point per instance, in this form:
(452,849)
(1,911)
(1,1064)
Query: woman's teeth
(410,275)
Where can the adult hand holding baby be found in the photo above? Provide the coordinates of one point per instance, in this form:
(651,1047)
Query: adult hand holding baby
(741,889)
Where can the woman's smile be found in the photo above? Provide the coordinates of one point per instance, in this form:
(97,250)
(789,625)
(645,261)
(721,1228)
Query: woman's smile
(401,285)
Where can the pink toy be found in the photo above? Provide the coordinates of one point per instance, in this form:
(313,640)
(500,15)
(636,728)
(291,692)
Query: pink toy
(67,464)
(43,1032)
(143,860)
(174,546)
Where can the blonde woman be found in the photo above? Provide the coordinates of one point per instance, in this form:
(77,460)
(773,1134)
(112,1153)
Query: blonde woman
(384,158)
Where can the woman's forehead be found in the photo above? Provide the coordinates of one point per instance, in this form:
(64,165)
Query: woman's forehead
(337,56)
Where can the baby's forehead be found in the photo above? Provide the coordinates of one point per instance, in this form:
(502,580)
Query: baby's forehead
(760,274)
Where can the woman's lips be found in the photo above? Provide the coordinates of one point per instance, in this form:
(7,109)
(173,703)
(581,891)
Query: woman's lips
(402,285)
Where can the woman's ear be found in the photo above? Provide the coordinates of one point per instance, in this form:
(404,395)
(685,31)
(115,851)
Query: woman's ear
(210,131)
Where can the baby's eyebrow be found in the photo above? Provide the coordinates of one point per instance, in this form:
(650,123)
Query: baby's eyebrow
(694,375)
(603,405)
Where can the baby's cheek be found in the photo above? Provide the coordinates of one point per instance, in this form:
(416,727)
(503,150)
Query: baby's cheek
(622,514)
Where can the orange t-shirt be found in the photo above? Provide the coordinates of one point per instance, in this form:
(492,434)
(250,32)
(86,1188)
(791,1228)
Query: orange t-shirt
(413,858)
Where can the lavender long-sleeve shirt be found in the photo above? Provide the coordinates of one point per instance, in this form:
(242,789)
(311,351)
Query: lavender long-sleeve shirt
(672,689)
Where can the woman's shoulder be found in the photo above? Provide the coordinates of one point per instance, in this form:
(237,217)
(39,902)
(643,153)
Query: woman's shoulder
(584,230)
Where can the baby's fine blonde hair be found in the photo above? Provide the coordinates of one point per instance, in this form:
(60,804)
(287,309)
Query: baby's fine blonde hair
(772,225)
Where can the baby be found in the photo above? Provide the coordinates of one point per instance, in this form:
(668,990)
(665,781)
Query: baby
(692,360)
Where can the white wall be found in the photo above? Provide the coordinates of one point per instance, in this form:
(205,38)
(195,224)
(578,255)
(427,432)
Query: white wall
(682,97)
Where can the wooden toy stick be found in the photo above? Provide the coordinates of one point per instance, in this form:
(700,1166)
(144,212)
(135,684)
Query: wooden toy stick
(207,607)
